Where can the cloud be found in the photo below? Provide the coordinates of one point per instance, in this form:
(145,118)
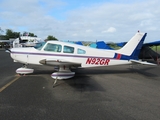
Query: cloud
(119,20)
(88,31)
(110,30)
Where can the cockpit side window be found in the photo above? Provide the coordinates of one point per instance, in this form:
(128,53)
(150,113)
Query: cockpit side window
(80,51)
(68,49)
(53,47)
(39,46)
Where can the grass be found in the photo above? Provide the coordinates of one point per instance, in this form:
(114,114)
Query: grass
(156,48)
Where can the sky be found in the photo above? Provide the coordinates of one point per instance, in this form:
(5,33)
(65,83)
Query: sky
(82,20)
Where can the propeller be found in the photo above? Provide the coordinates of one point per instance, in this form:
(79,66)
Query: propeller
(7,50)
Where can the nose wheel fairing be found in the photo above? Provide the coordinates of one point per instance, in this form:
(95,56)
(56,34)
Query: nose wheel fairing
(24,70)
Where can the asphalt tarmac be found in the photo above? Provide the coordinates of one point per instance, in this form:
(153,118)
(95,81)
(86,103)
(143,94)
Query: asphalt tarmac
(108,93)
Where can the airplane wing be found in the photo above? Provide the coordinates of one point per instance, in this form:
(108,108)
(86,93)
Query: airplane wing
(154,43)
(142,62)
(57,62)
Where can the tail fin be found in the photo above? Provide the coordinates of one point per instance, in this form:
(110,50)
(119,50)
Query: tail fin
(133,46)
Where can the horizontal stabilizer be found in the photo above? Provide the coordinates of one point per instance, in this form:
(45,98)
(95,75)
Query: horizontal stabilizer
(142,62)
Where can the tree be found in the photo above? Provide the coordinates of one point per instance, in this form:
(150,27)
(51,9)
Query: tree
(3,37)
(32,35)
(50,37)
(29,34)
(11,34)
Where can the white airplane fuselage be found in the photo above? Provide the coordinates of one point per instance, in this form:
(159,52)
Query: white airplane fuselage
(91,58)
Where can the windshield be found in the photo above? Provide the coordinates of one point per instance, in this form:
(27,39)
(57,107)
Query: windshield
(39,45)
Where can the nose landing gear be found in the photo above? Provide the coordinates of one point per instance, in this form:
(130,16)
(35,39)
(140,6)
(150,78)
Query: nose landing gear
(24,70)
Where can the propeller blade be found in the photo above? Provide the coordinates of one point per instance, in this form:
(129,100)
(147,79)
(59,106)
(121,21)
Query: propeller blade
(8,50)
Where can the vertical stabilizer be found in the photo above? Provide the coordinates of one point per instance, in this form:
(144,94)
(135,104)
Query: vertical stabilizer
(133,46)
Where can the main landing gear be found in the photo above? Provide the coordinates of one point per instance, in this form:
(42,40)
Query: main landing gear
(63,73)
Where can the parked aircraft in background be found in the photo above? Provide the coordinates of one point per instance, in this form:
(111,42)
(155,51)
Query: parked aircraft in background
(26,41)
(66,55)
(146,52)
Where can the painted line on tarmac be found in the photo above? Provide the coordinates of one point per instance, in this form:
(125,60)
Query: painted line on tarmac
(8,84)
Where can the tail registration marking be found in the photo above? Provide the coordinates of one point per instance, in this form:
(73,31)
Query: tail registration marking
(98,61)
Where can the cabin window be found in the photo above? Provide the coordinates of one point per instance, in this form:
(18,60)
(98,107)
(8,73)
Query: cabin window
(68,49)
(80,51)
(53,47)
(39,46)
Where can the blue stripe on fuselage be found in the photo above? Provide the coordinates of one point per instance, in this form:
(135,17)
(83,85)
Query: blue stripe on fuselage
(61,55)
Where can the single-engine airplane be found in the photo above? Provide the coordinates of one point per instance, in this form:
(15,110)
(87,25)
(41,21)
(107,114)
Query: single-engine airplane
(66,55)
